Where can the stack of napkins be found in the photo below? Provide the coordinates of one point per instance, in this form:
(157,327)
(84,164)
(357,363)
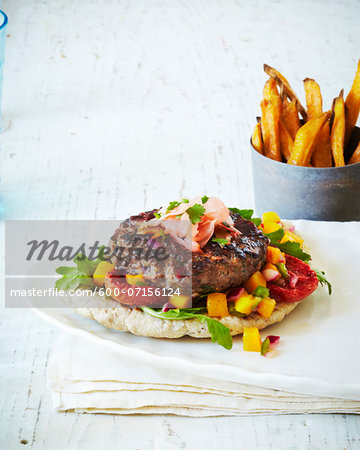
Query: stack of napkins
(86,376)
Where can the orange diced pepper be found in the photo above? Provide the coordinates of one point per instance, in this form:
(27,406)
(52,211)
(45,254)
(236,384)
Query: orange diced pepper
(274,255)
(256,279)
(251,340)
(102,269)
(266,307)
(217,305)
(270,266)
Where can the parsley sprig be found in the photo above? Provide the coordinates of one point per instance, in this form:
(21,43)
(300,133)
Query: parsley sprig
(220,241)
(195,213)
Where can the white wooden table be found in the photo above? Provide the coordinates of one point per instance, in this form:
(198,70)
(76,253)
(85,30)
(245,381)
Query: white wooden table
(117,106)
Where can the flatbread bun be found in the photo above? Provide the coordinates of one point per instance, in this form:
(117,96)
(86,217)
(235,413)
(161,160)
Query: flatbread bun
(113,315)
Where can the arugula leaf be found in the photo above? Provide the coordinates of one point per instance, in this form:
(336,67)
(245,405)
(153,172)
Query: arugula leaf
(67,283)
(261,291)
(290,248)
(220,241)
(195,213)
(73,277)
(275,236)
(244,213)
(294,249)
(86,266)
(68,271)
(323,281)
(256,221)
(204,199)
(219,332)
(265,347)
(247,215)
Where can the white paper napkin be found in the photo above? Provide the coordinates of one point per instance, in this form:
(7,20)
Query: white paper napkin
(88,377)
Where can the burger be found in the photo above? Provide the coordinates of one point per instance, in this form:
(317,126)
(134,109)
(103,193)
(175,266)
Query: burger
(225,272)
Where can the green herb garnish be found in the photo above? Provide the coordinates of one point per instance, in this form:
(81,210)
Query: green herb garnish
(290,248)
(219,332)
(220,241)
(244,213)
(323,281)
(282,269)
(256,221)
(261,291)
(204,199)
(195,213)
(73,277)
(175,203)
(247,215)
(172,205)
(157,215)
(265,347)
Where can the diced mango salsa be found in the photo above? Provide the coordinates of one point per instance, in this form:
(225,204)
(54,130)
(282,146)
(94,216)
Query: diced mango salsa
(270,272)
(251,340)
(270,266)
(217,305)
(256,279)
(270,216)
(269,227)
(180,301)
(292,237)
(101,271)
(245,303)
(266,307)
(274,255)
(135,280)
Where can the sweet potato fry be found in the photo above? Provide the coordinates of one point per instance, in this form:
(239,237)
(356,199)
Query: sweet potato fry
(355,158)
(313,98)
(281,80)
(352,105)
(271,111)
(256,139)
(321,156)
(286,141)
(290,116)
(305,140)
(338,130)
(270,89)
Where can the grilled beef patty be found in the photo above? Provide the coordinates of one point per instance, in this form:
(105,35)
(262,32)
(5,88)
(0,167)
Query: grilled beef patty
(215,269)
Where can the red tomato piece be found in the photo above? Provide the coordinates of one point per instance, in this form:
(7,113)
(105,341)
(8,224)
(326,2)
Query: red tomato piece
(306,284)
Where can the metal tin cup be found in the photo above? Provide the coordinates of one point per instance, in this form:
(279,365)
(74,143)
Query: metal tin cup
(295,192)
